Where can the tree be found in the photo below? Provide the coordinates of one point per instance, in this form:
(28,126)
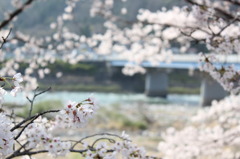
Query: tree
(211,23)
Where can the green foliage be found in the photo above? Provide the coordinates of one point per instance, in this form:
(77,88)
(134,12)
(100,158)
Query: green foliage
(184,90)
(83,87)
(122,121)
(134,124)
(67,67)
(36,19)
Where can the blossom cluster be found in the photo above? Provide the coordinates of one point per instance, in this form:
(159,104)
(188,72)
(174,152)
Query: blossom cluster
(150,38)
(16,87)
(213,133)
(124,149)
(226,75)
(76,114)
(6,136)
(38,136)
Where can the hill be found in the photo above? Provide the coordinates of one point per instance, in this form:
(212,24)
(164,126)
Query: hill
(36,19)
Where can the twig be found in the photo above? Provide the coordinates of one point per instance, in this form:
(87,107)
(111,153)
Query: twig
(226,26)
(18,150)
(5,38)
(33,99)
(190,35)
(103,138)
(100,134)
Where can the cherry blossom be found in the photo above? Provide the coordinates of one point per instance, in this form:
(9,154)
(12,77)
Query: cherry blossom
(77,114)
(6,136)
(152,37)
(37,134)
(213,133)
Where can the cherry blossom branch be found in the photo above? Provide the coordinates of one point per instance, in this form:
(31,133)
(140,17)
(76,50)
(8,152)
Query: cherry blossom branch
(99,134)
(219,12)
(15,13)
(16,152)
(233,2)
(71,150)
(32,118)
(103,138)
(226,26)
(29,152)
(190,35)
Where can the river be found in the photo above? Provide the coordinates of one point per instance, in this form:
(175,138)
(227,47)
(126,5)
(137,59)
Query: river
(106,99)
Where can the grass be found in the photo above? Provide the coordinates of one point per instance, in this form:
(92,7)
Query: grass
(119,120)
(116,118)
(66,67)
(184,90)
(82,87)
(130,124)
(112,88)
(41,107)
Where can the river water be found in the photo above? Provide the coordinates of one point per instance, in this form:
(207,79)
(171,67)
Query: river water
(105,99)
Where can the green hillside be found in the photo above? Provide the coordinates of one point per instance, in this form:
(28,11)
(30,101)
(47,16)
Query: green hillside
(36,19)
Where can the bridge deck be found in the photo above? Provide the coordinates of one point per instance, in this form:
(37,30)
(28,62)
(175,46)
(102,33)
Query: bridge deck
(183,62)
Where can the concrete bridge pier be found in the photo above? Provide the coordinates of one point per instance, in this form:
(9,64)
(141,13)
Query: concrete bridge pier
(156,84)
(211,90)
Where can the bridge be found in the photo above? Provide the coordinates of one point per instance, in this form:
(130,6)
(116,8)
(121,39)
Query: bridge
(156,83)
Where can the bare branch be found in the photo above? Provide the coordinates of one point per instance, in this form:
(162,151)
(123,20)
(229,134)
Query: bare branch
(34,97)
(5,38)
(226,26)
(100,134)
(15,13)
(103,138)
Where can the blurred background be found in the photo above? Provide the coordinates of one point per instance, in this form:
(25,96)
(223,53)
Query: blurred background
(125,104)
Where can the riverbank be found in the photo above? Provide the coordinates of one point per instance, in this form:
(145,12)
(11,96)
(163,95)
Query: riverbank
(99,77)
(142,120)
(114,88)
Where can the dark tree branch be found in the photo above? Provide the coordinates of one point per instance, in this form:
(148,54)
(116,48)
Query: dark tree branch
(219,12)
(32,118)
(15,13)
(190,35)
(226,26)
(18,150)
(233,2)
(100,134)
(29,152)
(103,138)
